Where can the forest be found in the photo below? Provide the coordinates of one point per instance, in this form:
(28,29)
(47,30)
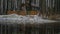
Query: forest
(44,7)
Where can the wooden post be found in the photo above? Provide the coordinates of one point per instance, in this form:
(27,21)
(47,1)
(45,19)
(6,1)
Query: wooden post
(43,7)
(5,7)
(9,4)
(1,6)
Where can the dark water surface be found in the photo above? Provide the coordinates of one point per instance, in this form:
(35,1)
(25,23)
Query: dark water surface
(46,28)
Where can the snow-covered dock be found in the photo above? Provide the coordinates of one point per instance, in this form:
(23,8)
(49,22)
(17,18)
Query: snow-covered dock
(10,19)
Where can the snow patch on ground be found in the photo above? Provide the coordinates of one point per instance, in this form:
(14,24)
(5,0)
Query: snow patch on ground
(23,19)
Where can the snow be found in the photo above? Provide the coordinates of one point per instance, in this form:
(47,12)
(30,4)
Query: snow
(10,19)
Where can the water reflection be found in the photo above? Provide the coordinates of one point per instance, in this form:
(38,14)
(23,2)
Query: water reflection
(46,28)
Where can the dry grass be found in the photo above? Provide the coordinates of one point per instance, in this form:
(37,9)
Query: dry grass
(22,12)
(54,16)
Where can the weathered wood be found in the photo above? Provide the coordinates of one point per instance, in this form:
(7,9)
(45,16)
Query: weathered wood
(1,6)
(43,7)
